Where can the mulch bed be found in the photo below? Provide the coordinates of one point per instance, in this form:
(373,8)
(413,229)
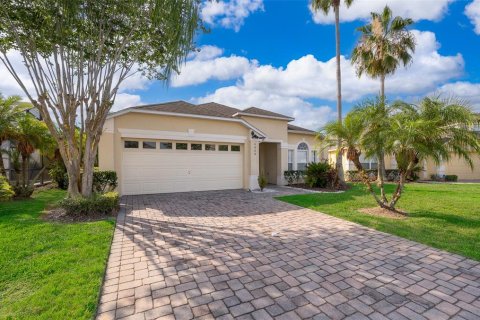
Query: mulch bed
(381,212)
(59,215)
(307,187)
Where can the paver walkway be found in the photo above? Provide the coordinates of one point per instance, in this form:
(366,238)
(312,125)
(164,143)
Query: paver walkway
(239,255)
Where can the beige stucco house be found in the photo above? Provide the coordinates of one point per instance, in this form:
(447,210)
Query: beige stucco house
(179,146)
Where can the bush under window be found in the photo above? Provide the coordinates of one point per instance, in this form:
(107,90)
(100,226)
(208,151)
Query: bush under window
(104,180)
(319,175)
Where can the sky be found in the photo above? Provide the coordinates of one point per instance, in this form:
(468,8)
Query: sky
(280,56)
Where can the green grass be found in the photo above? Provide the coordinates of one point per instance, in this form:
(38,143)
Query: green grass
(49,270)
(445,216)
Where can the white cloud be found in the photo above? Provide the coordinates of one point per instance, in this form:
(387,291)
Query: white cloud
(207,65)
(463,90)
(126,100)
(472,11)
(360,10)
(229,14)
(285,90)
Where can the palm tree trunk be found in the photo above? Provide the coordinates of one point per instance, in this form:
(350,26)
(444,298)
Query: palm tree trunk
(381,156)
(24,171)
(3,172)
(338,163)
(366,180)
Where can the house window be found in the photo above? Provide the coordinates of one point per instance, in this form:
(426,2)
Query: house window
(314,156)
(210,147)
(181,146)
(234,148)
(196,146)
(131,144)
(302,156)
(223,147)
(290,159)
(166,145)
(149,145)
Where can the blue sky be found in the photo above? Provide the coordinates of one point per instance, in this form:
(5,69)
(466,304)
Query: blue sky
(278,55)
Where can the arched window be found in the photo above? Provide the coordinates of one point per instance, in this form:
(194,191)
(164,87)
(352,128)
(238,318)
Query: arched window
(302,156)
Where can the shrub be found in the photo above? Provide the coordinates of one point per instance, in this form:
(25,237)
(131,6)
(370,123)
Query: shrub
(262,182)
(293,176)
(451,177)
(59,174)
(437,177)
(96,204)
(319,175)
(104,180)
(354,176)
(6,191)
(23,191)
(392,175)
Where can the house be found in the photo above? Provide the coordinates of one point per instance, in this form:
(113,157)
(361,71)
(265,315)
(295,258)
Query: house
(178,146)
(455,166)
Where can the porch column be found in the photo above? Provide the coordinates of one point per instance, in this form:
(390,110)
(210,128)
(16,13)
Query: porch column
(282,162)
(254,151)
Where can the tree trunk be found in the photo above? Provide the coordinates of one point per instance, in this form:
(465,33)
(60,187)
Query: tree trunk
(3,172)
(338,163)
(24,171)
(381,155)
(382,88)
(398,191)
(366,181)
(88,163)
(381,175)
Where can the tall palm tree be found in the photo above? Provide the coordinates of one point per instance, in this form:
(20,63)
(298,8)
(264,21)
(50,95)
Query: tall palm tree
(11,110)
(385,43)
(325,6)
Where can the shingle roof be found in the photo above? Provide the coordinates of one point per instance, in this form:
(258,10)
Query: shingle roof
(297,128)
(262,112)
(210,109)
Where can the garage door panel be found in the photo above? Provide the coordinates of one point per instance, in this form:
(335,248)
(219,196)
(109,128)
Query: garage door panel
(180,171)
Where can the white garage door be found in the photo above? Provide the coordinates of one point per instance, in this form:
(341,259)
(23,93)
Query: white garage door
(160,171)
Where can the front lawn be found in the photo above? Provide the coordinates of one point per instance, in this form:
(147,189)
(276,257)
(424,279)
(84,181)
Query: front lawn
(445,216)
(49,270)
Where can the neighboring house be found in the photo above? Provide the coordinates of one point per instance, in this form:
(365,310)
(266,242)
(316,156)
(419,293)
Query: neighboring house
(455,166)
(178,146)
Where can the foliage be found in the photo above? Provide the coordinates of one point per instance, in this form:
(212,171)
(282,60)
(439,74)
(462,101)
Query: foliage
(384,45)
(59,174)
(355,176)
(6,191)
(96,204)
(293,176)
(11,109)
(319,175)
(104,180)
(81,51)
(262,181)
(451,178)
(23,191)
(45,264)
(442,216)
(436,129)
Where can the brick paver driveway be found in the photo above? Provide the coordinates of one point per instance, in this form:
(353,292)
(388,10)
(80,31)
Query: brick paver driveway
(234,254)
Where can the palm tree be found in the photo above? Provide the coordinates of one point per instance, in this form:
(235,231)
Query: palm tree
(436,129)
(11,110)
(350,133)
(325,6)
(31,135)
(384,45)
